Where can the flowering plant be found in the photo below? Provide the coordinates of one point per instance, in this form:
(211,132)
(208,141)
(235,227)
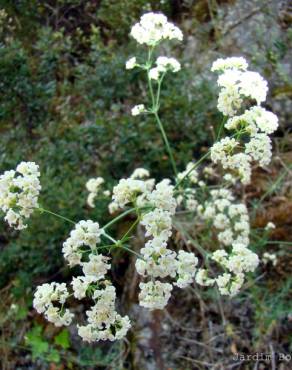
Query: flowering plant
(157,205)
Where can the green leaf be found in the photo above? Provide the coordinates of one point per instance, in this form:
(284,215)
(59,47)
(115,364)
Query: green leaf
(35,340)
(21,313)
(62,339)
(53,356)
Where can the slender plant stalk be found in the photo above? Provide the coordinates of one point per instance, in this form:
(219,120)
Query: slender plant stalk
(221,128)
(130,229)
(166,142)
(119,217)
(154,111)
(192,169)
(109,237)
(43,210)
(131,251)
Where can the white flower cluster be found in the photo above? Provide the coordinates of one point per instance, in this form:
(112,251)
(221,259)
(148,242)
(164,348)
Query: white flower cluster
(237,63)
(239,261)
(227,216)
(158,261)
(257,123)
(237,84)
(140,173)
(19,191)
(254,121)
(132,190)
(154,295)
(45,296)
(229,284)
(232,221)
(85,234)
(224,152)
(164,64)
(94,188)
(127,191)
(104,323)
(153,28)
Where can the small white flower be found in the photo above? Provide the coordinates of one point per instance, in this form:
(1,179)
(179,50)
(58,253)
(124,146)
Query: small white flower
(165,64)
(270,226)
(131,63)
(162,196)
(190,172)
(154,73)
(186,268)
(229,178)
(127,191)
(138,109)
(254,120)
(202,278)
(85,233)
(59,317)
(93,186)
(222,150)
(140,173)
(154,295)
(260,149)
(96,267)
(253,85)
(270,257)
(113,207)
(88,333)
(238,63)
(44,298)
(229,285)
(80,285)
(157,223)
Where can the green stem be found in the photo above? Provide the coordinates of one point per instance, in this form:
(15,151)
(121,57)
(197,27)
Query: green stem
(109,237)
(151,92)
(192,169)
(159,91)
(221,128)
(131,251)
(105,246)
(155,107)
(166,142)
(278,242)
(119,217)
(130,229)
(43,210)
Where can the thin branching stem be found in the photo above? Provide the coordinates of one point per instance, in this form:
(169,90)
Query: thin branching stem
(43,210)
(192,169)
(118,218)
(154,110)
